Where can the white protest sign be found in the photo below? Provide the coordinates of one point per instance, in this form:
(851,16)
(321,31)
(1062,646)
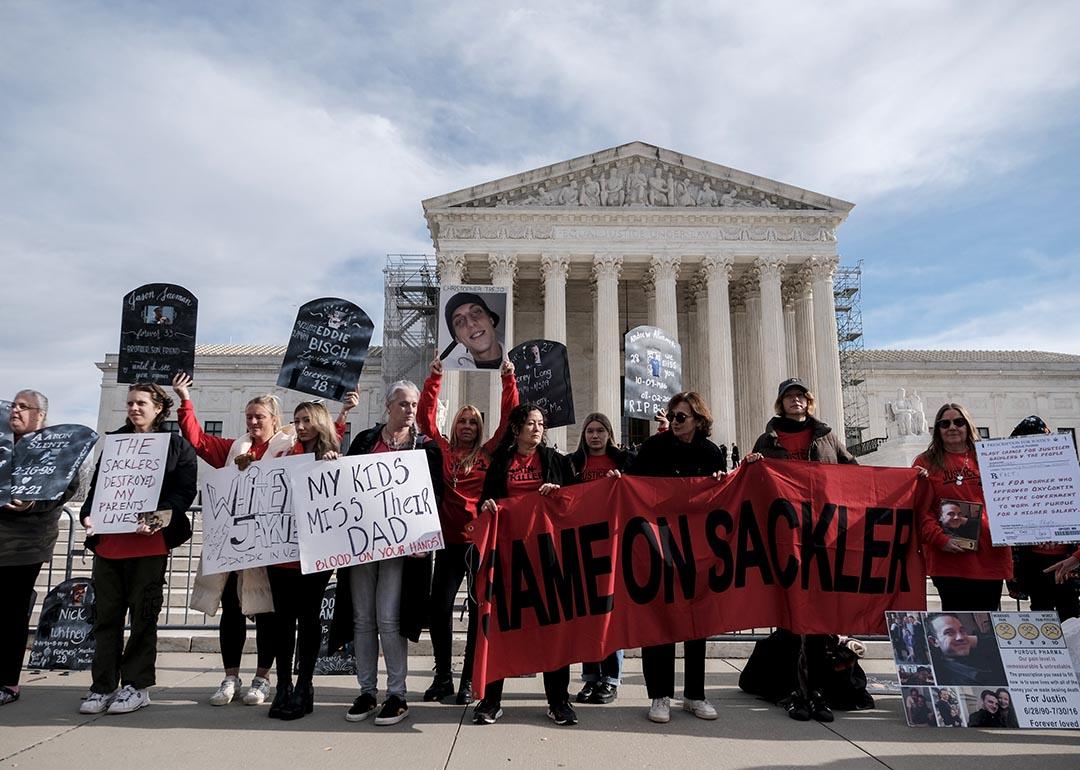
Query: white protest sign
(128,480)
(248,515)
(364,508)
(1032,488)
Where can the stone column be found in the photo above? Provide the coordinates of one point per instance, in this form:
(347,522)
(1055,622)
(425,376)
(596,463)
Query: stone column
(664,271)
(503,273)
(759,404)
(450,267)
(741,340)
(715,346)
(791,345)
(605,279)
(806,366)
(830,397)
(554,268)
(771,331)
(649,288)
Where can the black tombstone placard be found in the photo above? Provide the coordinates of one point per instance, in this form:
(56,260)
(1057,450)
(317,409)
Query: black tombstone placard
(7,450)
(46,461)
(327,348)
(343,661)
(653,371)
(64,639)
(542,368)
(157,333)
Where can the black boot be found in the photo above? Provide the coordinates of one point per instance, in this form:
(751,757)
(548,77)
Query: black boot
(281,697)
(441,687)
(464,693)
(300,703)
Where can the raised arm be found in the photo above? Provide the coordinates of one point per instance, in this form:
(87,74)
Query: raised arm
(510,399)
(427,409)
(210,448)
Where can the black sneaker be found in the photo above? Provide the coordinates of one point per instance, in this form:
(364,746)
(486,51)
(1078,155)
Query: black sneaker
(486,712)
(587,692)
(441,687)
(604,693)
(361,708)
(394,709)
(797,707)
(464,693)
(819,707)
(562,714)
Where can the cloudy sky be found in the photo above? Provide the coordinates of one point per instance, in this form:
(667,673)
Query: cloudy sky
(262,154)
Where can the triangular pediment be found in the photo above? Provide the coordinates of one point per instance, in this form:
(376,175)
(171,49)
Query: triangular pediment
(637,175)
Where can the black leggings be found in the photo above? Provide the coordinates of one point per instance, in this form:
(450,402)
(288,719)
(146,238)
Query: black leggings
(958,594)
(297,603)
(452,564)
(18,586)
(232,630)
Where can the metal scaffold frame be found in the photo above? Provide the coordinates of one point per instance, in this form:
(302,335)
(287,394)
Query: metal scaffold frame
(847,292)
(410,328)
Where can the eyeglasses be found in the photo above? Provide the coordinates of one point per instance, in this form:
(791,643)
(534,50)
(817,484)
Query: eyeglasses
(680,417)
(19,406)
(958,422)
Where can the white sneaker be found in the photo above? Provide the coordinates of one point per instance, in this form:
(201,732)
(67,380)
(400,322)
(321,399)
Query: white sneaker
(660,710)
(96,702)
(702,709)
(226,691)
(258,692)
(129,699)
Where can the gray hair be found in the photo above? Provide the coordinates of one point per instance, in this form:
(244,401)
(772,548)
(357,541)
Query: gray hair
(394,387)
(42,402)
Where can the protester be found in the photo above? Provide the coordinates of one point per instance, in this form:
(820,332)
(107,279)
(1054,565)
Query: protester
(465,460)
(683,450)
(523,463)
(795,434)
(385,601)
(965,579)
(28,532)
(242,593)
(129,569)
(595,457)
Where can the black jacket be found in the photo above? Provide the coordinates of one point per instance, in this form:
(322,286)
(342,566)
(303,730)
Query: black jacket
(665,455)
(416,571)
(555,468)
(177,490)
(825,447)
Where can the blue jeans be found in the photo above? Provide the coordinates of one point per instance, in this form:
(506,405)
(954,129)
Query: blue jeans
(376,597)
(608,671)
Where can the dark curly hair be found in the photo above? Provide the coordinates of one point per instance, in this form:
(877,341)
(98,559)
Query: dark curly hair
(158,396)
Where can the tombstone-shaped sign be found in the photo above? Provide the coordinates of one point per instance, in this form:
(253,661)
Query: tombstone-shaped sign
(327,348)
(47,460)
(543,377)
(157,333)
(7,450)
(64,639)
(653,371)
(341,662)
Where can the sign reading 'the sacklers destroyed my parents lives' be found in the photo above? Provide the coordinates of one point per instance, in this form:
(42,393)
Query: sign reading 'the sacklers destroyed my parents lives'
(129,480)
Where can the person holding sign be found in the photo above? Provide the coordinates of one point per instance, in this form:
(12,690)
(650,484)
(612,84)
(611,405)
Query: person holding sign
(965,579)
(524,463)
(243,593)
(28,532)
(129,569)
(465,461)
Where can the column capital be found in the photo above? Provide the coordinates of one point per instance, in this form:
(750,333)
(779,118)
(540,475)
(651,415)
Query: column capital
(607,266)
(697,290)
(715,266)
(769,268)
(664,267)
(738,297)
(554,266)
(450,266)
(822,268)
(504,268)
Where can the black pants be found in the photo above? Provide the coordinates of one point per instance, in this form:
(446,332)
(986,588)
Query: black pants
(556,687)
(122,586)
(1046,595)
(452,564)
(17,589)
(658,666)
(232,631)
(297,602)
(959,594)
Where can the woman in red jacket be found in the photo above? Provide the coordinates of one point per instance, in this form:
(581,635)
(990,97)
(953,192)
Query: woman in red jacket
(965,579)
(465,462)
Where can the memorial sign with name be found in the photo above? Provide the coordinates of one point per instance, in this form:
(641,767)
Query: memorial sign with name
(157,334)
(342,662)
(129,479)
(542,368)
(984,669)
(653,371)
(1032,488)
(327,349)
(364,508)
(472,327)
(47,460)
(64,639)
(7,452)
(248,515)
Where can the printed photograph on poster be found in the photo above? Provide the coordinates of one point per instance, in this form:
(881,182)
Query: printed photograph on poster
(157,333)
(948,707)
(472,329)
(128,481)
(962,521)
(7,452)
(908,638)
(64,638)
(1032,488)
(918,706)
(653,371)
(327,348)
(47,460)
(542,369)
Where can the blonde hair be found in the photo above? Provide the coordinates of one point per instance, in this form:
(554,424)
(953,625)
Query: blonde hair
(272,404)
(470,458)
(326,439)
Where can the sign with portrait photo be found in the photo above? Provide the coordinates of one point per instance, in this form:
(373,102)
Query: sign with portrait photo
(653,371)
(129,479)
(47,460)
(472,327)
(64,639)
(962,521)
(157,334)
(542,369)
(327,348)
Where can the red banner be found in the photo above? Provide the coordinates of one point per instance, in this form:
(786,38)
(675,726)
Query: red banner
(636,561)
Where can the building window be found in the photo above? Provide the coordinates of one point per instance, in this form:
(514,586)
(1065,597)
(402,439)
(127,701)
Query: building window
(212,427)
(984,432)
(172,426)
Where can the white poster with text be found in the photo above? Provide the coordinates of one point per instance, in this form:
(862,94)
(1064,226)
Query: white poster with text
(128,480)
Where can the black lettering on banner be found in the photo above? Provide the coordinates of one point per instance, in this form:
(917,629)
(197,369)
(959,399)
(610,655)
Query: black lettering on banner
(595,566)
(750,548)
(562,583)
(873,549)
(719,518)
(813,544)
(903,531)
(676,559)
(524,589)
(639,527)
(844,583)
(782,509)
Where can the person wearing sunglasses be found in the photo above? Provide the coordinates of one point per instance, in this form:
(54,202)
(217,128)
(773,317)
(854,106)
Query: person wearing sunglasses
(965,579)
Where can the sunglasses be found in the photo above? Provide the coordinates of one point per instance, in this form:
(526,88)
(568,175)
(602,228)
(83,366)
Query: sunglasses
(958,422)
(680,417)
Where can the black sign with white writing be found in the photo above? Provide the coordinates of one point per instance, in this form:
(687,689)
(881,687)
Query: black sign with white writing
(543,377)
(653,371)
(341,662)
(327,348)
(157,333)
(7,449)
(47,460)
(63,639)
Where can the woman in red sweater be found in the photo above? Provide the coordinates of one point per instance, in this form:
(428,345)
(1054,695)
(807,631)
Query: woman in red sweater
(965,579)
(465,462)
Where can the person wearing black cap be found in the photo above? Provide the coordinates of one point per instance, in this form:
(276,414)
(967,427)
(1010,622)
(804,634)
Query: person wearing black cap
(472,325)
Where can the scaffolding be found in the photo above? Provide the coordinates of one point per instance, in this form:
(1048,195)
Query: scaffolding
(410,328)
(847,291)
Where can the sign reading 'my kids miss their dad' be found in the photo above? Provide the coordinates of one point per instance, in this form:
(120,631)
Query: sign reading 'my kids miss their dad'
(367,508)
(157,334)
(129,480)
